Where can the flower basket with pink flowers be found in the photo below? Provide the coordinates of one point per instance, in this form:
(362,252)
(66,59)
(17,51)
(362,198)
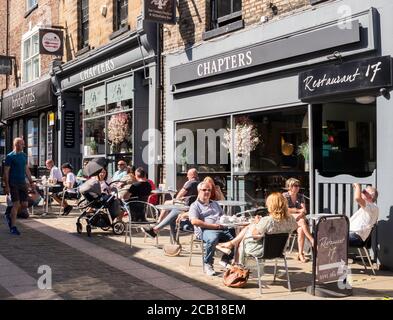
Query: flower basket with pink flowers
(119,130)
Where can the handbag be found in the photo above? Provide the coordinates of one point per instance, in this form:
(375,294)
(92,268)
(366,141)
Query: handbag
(236,276)
(172,250)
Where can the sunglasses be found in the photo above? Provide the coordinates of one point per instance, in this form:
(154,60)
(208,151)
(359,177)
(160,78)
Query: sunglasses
(296,185)
(206,190)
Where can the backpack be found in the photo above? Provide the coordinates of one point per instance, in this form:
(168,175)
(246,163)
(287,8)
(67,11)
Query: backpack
(236,276)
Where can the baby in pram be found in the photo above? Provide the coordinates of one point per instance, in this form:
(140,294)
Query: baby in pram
(99,209)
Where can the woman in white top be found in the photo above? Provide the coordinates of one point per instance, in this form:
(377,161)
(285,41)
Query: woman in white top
(69,180)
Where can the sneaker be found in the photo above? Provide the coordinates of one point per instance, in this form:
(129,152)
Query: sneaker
(15,231)
(8,220)
(67,210)
(149,232)
(208,269)
(225,264)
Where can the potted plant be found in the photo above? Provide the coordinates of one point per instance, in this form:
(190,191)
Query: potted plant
(93,146)
(304,151)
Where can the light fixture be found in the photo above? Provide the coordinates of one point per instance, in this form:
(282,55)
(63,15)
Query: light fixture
(365,99)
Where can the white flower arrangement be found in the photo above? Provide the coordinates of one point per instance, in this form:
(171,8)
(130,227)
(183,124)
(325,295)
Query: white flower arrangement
(118,128)
(246,138)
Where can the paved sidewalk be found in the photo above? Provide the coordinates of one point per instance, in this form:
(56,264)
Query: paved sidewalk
(104,267)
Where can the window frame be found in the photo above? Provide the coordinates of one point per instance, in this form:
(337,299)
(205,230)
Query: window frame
(32,56)
(83,24)
(216,21)
(120,22)
(32,5)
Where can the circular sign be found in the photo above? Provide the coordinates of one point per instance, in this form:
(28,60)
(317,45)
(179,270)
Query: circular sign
(51,42)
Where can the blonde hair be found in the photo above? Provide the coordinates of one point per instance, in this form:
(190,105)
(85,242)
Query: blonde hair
(290,182)
(277,206)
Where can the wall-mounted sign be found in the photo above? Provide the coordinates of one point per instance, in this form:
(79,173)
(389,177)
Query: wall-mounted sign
(265,52)
(120,90)
(51,42)
(28,99)
(5,65)
(346,78)
(51,118)
(69,129)
(160,11)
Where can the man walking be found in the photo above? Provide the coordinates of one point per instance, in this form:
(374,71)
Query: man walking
(15,173)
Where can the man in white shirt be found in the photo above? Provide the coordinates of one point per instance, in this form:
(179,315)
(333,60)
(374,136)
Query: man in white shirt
(55,173)
(122,165)
(363,220)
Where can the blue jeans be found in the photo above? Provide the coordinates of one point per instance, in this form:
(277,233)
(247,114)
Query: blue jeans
(170,219)
(355,240)
(210,239)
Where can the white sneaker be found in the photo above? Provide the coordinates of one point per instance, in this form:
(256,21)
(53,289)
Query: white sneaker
(208,268)
(224,264)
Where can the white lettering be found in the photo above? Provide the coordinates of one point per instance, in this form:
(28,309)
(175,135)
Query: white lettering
(249,58)
(220,64)
(234,61)
(199,70)
(214,67)
(97,69)
(241,60)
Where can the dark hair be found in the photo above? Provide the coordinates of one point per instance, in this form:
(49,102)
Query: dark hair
(140,172)
(67,165)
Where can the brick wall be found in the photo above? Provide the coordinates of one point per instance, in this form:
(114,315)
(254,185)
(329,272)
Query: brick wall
(3,27)
(46,13)
(100,26)
(194,19)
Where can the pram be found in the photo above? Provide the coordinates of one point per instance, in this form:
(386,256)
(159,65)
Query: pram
(99,210)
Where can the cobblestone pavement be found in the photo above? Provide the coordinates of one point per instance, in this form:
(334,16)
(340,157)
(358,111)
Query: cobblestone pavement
(104,267)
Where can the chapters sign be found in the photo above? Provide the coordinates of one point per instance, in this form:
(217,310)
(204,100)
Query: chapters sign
(346,78)
(160,11)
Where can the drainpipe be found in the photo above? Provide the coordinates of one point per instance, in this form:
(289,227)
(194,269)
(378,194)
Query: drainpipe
(7,50)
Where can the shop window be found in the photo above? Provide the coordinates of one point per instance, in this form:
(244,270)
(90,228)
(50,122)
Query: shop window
(121,14)
(348,138)
(84,24)
(108,119)
(32,142)
(31,58)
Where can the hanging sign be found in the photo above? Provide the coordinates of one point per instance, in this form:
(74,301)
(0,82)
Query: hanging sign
(160,11)
(51,42)
(346,78)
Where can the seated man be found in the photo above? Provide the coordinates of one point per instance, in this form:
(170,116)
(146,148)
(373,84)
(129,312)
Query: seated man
(205,216)
(363,220)
(140,189)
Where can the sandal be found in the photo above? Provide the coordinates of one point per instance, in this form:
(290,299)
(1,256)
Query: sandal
(225,249)
(302,258)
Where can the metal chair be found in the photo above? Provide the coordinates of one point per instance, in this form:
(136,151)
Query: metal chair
(140,214)
(366,245)
(273,248)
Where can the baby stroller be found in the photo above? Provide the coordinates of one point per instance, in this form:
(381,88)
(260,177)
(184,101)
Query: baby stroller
(99,210)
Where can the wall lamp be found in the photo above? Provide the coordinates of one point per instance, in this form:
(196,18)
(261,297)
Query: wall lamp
(274,8)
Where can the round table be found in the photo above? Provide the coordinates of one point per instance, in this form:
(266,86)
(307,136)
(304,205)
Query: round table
(230,204)
(46,188)
(162,193)
(180,207)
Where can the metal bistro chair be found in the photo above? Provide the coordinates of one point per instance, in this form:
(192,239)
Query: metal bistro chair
(273,248)
(140,214)
(366,245)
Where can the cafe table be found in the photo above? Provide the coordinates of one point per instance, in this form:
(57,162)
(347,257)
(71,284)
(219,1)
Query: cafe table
(162,193)
(46,188)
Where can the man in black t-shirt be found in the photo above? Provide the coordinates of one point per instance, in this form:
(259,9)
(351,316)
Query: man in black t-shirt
(187,194)
(141,189)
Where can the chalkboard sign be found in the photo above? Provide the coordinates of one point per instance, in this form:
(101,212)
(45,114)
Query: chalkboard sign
(332,248)
(346,78)
(69,129)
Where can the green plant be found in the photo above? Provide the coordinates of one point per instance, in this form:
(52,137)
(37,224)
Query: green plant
(304,150)
(93,145)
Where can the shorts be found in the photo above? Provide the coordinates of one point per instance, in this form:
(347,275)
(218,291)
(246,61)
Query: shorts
(19,192)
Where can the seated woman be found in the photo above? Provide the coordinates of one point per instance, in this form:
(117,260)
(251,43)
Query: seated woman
(278,221)
(102,178)
(297,208)
(69,181)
